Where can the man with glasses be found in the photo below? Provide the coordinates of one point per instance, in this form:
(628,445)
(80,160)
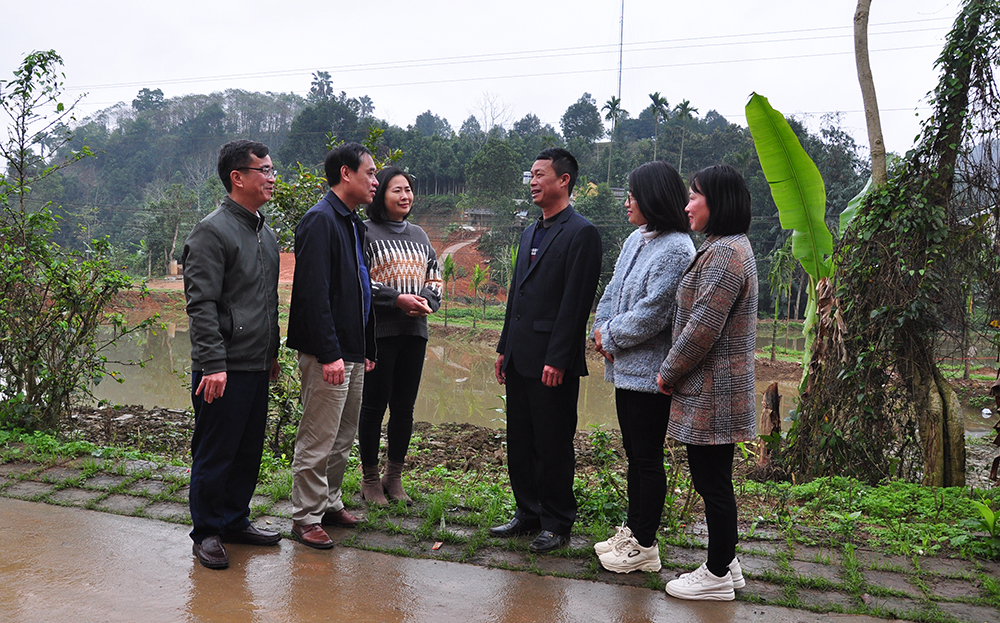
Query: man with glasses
(332,325)
(231,286)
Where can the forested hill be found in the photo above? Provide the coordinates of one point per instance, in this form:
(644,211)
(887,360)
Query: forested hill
(153,175)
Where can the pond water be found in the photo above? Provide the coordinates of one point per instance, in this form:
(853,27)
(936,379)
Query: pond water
(457,385)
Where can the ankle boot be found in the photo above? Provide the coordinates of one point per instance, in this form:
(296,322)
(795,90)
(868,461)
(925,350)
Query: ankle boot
(371,486)
(392,482)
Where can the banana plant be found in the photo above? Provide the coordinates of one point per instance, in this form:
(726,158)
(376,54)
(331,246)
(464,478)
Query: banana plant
(800,195)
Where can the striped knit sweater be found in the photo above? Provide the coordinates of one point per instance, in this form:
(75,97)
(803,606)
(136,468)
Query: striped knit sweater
(400,260)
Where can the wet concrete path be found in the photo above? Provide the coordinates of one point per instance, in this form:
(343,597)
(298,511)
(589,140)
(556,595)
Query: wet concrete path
(61,564)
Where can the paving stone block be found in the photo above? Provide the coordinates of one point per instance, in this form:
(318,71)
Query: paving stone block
(816,570)
(689,558)
(756,565)
(822,555)
(831,601)
(103,481)
(282,508)
(149,487)
(59,474)
(122,504)
(762,548)
(892,580)
(767,591)
(27,490)
(15,470)
(132,467)
(174,471)
(569,566)
(951,567)
(281,524)
(502,558)
(878,560)
(83,461)
(900,606)
(168,511)
(953,588)
(970,613)
(74,496)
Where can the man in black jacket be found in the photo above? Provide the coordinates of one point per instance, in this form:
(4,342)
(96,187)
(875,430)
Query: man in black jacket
(332,325)
(231,287)
(542,353)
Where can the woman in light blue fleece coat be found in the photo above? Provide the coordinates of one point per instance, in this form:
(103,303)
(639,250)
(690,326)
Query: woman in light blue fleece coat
(632,330)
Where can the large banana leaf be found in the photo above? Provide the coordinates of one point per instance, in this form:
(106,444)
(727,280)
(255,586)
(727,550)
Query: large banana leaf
(796,186)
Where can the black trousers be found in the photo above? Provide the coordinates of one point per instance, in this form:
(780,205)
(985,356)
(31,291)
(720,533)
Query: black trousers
(226,447)
(394,384)
(712,475)
(643,419)
(541,423)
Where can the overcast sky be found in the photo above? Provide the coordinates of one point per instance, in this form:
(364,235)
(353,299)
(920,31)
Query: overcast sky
(532,57)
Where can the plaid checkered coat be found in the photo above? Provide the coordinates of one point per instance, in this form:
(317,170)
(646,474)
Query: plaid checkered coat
(711,362)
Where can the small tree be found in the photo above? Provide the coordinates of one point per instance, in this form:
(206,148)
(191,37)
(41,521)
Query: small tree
(478,277)
(447,274)
(53,301)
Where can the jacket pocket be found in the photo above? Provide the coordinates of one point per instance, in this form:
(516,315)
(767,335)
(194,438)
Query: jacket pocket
(691,385)
(543,326)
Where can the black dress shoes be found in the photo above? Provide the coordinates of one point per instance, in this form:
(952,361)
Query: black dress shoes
(547,541)
(210,553)
(252,535)
(514,527)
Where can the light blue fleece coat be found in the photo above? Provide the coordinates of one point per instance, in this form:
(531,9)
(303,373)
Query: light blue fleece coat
(636,312)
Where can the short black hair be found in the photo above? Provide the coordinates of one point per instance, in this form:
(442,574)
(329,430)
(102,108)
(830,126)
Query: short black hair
(236,155)
(661,196)
(563,162)
(376,209)
(349,154)
(727,197)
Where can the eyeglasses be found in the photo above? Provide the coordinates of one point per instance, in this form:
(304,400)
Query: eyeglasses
(269,172)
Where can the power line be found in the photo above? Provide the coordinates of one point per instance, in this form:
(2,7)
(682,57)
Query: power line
(642,46)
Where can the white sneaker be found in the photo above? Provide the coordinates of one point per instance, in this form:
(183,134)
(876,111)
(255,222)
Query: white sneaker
(736,571)
(702,584)
(621,532)
(629,556)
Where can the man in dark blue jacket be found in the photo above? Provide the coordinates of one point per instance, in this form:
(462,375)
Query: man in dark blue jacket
(542,353)
(331,324)
(231,287)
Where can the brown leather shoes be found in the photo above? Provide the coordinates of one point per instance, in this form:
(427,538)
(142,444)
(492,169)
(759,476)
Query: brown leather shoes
(312,535)
(210,553)
(252,536)
(340,518)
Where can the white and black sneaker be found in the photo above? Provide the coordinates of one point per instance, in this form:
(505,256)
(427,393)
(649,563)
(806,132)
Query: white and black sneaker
(621,532)
(629,556)
(702,584)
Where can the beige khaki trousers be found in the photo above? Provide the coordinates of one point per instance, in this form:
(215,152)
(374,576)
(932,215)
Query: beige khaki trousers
(323,443)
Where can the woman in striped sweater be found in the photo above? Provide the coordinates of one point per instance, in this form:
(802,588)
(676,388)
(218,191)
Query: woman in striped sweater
(406,287)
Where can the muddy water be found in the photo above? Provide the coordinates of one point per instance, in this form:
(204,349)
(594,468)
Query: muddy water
(68,564)
(458,384)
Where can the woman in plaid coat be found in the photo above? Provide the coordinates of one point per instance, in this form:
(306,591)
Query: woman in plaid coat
(709,370)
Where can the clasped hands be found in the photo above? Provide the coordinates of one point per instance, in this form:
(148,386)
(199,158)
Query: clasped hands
(413,305)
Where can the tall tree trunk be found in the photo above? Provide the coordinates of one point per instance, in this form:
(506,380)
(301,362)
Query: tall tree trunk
(867,82)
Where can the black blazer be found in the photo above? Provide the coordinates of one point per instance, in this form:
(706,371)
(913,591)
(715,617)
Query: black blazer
(550,299)
(327,318)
